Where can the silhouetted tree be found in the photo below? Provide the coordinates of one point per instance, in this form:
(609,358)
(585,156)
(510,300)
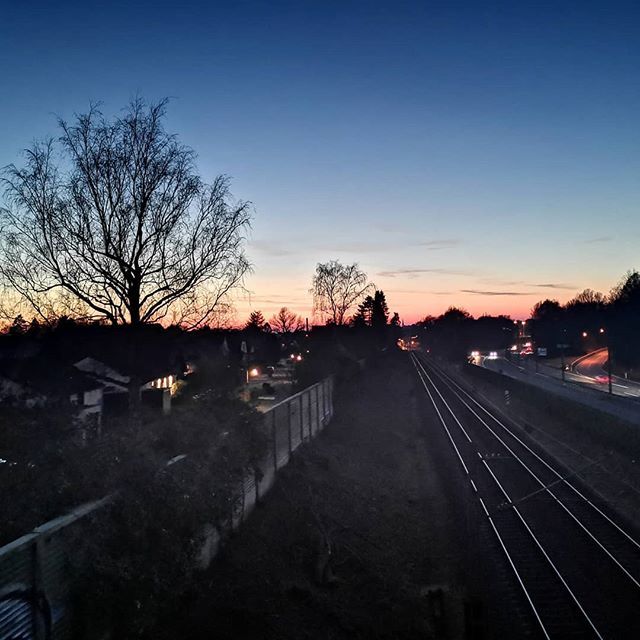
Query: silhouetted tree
(286,321)
(587,298)
(19,326)
(492,333)
(585,317)
(627,292)
(546,310)
(624,302)
(548,325)
(454,315)
(449,334)
(395,320)
(362,317)
(256,322)
(336,288)
(116,224)
(427,322)
(379,310)
(372,311)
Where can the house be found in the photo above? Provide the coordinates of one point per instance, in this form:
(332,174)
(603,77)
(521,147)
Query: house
(38,382)
(95,367)
(155,377)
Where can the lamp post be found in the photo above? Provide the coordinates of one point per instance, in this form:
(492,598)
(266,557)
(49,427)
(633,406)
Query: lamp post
(606,333)
(609,358)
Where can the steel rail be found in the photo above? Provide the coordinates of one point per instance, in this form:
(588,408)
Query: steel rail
(545,486)
(560,477)
(537,542)
(484,508)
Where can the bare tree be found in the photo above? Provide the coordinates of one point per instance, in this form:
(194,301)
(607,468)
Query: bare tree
(115,223)
(286,321)
(336,288)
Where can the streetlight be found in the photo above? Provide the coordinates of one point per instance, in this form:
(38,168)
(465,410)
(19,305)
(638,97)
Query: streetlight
(601,331)
(608,359)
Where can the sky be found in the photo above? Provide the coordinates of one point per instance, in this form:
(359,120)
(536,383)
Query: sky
(482,154)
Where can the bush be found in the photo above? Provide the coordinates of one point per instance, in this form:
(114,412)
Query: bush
(135,558)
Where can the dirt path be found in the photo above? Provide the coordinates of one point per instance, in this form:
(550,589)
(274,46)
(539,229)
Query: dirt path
(377,489)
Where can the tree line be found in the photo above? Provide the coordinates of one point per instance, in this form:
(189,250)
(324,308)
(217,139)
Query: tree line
(592,319)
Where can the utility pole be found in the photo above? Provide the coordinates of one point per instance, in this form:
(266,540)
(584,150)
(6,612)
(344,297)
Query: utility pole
(609,358)
(562,348)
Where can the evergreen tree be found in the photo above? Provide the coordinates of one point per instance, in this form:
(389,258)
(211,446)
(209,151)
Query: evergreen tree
(256,322)
(362,317)
(379,310)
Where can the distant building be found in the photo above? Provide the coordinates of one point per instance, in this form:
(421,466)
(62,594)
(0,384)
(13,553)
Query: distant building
(35,382)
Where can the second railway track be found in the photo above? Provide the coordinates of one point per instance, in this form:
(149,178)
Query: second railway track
(577,567)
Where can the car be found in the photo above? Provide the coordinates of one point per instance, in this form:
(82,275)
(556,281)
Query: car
(602,379)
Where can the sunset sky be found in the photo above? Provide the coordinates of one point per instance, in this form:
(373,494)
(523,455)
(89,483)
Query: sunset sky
(483,154)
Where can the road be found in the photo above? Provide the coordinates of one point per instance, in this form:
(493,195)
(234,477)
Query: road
(624,404)
(575,564)
(593,365)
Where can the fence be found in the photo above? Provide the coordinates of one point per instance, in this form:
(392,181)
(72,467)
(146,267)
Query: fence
(34,576)
(288,424)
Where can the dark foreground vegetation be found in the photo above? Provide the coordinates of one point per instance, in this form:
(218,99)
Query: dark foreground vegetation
(167,475)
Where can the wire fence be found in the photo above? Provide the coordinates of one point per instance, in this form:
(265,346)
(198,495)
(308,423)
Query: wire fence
(289,424)
(34,569)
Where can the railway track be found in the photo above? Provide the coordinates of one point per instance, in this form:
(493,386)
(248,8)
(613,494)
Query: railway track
(576,566)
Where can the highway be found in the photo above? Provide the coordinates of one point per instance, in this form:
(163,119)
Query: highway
(575,564)
(624,404)
(593,367)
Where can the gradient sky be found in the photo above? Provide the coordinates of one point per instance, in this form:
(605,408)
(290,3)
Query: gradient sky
(485,154)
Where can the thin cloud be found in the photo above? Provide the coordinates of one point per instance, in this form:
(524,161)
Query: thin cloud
(556,285)
(436,245)
(503,283)
(598,240)
(479,292)
(521,283)
(413,273)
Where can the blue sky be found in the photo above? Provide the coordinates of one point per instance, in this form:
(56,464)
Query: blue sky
(483,154)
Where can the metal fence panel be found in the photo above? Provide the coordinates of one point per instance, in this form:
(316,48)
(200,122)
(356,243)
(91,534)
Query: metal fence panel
(294,421)
(17,615)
